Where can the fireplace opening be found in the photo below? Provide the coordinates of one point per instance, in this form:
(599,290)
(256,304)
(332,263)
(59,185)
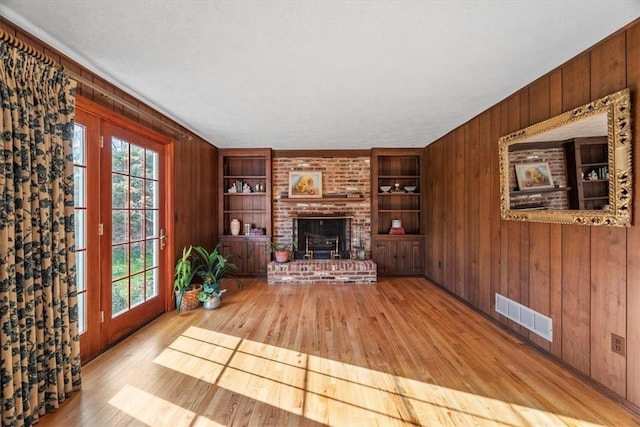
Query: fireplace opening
(322,237)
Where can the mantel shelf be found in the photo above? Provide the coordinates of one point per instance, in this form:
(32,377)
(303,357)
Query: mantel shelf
(321,199)
(541,190)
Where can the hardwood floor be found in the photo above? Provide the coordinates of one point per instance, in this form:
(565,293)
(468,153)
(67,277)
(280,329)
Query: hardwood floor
(401,352)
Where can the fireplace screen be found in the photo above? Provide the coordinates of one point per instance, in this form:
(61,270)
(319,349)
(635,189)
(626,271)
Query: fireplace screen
(322,237)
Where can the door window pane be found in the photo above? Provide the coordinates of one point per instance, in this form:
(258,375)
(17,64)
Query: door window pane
(151,194)
(137,223)
(151,282)
(119,296)
(151,223)
(120,226)
(119,261)
(119,191)
(137,289)
(137,257)
(119,156)
(79,219)
(137,161)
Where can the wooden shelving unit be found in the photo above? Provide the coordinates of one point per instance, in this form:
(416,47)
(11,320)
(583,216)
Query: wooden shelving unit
(588,157)
(397,254)
(251,167)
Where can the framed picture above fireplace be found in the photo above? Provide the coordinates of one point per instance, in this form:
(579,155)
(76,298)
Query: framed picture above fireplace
(305,184)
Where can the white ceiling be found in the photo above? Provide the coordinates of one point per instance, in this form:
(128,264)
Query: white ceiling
(320,74)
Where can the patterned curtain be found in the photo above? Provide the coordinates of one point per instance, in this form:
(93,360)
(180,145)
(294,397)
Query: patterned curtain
(39,338)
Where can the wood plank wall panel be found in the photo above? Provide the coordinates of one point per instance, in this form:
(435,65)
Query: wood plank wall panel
(496,223)
(194,159)
(587,279)
(484,222)
(576,297)
(608,245)
(608,306)
(633,235)
(539,265)
(460,197)
(539,260)
(555,238)
(472,173)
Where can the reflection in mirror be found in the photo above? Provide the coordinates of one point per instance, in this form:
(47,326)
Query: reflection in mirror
(574,168)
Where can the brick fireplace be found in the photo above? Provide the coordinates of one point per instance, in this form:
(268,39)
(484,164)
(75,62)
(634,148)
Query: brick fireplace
(340,175)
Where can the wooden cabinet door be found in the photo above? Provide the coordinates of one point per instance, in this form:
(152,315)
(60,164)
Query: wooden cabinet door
(256,257)
(236,247)
(383,255)
(404,260)
(416,256)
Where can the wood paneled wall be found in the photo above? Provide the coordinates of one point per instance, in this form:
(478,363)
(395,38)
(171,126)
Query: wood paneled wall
(195,160)
(587,279)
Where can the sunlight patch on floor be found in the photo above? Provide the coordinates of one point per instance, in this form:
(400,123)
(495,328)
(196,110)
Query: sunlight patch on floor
(328,391)
(154,411)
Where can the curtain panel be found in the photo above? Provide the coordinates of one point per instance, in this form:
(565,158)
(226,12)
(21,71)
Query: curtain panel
(39,336)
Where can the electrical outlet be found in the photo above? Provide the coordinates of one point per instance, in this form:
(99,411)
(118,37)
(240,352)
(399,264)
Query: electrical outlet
(618,344)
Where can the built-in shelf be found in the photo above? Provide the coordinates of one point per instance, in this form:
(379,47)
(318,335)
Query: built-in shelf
(254,193)
(397,254)
(321,199)
(241,167)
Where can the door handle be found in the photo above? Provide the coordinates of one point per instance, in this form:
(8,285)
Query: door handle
(163,239)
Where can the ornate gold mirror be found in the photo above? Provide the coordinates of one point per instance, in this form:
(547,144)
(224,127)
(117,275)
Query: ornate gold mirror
(574,168)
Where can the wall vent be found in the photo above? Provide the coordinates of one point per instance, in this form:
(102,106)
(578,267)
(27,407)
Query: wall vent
(524,316)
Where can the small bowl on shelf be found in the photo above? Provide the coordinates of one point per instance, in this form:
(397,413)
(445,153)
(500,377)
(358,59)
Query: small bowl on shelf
(385,188)
(410,188)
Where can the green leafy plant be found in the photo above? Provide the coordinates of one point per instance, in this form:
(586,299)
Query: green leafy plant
(184,273)
(280,246)
(212,267)
(210,291)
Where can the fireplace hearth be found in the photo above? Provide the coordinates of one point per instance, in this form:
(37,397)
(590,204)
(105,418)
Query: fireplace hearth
(322,237)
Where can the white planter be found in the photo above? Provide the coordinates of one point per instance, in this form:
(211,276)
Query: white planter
(211,303)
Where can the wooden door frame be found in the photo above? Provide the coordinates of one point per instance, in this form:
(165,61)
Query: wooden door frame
(168,255)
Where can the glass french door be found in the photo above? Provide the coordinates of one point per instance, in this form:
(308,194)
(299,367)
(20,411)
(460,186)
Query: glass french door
(132,234)
(120,208)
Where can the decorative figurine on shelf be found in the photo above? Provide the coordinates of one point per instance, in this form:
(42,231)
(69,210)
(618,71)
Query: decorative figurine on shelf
(593,175)
(396,187)
(233,188)
(246,188)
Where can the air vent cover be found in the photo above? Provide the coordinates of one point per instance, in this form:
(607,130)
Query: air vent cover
(524,316)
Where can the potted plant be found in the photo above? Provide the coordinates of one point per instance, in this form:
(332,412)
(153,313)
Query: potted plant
(212,267)
(186,291)
(281,250)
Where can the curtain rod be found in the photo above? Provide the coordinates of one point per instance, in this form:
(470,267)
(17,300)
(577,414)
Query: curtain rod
(19,44)
(102,91)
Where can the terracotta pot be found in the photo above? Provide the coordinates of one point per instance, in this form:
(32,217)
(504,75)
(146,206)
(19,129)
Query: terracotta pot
(282,256)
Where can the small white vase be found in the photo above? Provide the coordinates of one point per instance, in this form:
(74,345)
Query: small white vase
(235,227)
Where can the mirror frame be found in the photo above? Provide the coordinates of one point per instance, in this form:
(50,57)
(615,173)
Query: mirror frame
(617,107)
